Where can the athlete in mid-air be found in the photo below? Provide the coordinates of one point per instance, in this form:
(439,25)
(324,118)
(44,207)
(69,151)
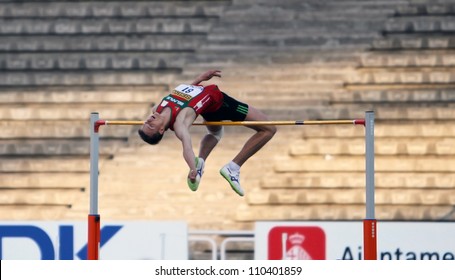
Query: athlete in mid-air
(177,112)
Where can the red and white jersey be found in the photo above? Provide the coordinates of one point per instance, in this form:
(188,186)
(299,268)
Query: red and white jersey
(201,99)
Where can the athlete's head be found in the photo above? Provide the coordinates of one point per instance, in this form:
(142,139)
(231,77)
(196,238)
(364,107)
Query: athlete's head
(153,129)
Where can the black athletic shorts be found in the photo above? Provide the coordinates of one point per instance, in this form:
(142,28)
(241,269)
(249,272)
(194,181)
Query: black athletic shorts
(231,109)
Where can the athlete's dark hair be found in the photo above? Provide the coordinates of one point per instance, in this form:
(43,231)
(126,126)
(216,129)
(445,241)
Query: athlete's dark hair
(152,140)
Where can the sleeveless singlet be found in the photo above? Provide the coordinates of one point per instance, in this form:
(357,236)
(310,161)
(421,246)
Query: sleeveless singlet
(201,99)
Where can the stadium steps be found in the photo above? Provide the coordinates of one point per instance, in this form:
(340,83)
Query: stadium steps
(60,61)
(350,196)
(337,179)
(405,77)
(45,142)
(383,146)
(335,212)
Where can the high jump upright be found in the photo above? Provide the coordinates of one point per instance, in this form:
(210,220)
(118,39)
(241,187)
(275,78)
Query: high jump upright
(369,223)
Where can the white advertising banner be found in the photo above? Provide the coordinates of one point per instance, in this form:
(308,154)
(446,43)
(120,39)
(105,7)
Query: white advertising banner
(62,240)
(344,240)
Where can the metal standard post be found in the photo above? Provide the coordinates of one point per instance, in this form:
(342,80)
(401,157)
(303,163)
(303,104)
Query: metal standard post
(369,224)
(93,244)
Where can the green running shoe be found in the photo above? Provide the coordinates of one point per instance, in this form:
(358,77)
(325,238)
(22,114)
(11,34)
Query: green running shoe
(200,170)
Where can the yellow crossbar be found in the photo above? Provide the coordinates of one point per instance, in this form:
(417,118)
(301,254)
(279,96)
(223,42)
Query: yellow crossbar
(248,123)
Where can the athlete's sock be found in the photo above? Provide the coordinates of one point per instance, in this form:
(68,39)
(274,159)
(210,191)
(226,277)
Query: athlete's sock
(233,166)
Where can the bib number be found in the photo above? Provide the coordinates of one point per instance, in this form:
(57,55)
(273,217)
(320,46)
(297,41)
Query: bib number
(188,91)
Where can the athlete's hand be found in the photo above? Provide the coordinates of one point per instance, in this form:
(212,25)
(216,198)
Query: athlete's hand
(207,76)
(210,74)
(192,175)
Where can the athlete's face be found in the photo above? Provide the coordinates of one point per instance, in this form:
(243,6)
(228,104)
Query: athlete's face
(153,124)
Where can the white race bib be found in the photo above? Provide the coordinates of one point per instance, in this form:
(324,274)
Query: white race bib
(188,90)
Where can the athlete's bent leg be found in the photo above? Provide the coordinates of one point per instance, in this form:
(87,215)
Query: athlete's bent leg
(263,135)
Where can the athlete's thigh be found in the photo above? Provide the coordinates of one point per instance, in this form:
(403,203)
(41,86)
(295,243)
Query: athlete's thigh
(255,114)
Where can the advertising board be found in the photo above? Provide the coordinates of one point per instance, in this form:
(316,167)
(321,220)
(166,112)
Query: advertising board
(344,240)
(60,240)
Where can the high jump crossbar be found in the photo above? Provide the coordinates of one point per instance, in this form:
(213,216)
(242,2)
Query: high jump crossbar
(369,223)
(241,123)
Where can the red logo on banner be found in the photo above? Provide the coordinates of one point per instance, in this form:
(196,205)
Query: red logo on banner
(296,243)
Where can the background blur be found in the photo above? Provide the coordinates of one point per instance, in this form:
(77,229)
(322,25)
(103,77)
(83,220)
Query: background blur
(293,59)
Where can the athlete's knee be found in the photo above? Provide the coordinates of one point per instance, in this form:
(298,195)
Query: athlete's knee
(268,130)
(218,134)
(271,130)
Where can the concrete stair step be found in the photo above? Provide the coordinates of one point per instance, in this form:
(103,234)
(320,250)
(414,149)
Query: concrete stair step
(56,147)
(409,58)
(46,164)
(97,43)
(390,129)
(357,163)
(44,180)
(40,196)
(70,112)
(394,96)
(413,42)
(58,130)
(403,75)
(338,212)
(104,26)
(383,146)
(423,9)
(337,179)
(132,9)
(33,212)
(343,196)
(399,86)
(420,24)
(82,95)
(55,77)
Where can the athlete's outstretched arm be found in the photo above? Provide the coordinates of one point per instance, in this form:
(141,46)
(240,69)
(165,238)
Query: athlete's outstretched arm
(182,125)
(207,76)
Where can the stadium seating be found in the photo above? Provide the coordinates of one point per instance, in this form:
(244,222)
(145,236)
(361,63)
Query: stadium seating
(295,60)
